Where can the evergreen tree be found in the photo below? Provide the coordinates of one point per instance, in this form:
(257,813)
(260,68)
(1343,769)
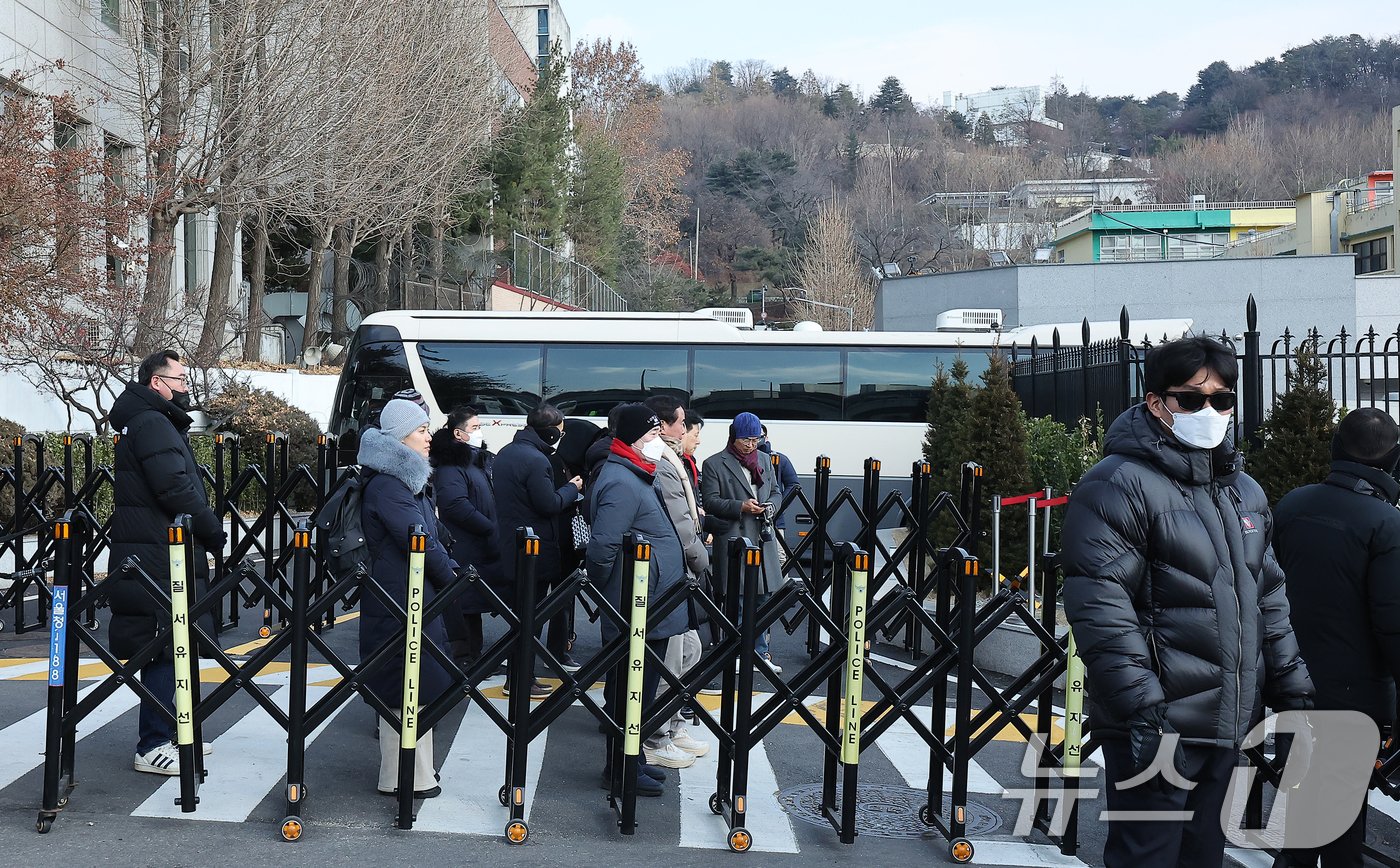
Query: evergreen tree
(983,134)
(595,205)
(891,100)
(948,440)
(1295,442)
(529,167)
(783,83)
(999,445)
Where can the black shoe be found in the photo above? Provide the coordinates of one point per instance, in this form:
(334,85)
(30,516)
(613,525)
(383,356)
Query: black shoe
(569,664)
(656,773)
(646,785)
(714,687)
(417,794)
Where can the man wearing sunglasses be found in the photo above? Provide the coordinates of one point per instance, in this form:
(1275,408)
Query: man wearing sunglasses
(1178,608)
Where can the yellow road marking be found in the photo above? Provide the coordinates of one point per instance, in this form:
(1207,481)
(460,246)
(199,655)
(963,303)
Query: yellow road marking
(258,643)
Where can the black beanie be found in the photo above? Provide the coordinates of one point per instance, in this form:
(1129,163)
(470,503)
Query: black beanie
(634,421)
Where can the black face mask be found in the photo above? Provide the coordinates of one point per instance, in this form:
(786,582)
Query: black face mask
(549,434)
(181,400)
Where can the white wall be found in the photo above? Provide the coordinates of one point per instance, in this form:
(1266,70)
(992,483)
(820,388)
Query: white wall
(22,403)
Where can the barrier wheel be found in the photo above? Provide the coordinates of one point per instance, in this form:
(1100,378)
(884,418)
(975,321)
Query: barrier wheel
(264,631)
(517,832)
(740,840)
(961,850)
(504,795)
(924,816)
(292,829)
(63,801)
(716,806)
(43,825)
(93,624)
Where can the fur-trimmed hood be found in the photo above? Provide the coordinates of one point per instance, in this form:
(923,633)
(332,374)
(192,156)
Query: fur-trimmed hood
(447,451)
(379,451)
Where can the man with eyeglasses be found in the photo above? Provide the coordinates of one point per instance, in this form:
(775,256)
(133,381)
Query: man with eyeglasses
(1178,608)
(156,479)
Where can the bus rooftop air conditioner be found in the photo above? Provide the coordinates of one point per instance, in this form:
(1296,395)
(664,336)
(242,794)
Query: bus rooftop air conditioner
(968,320)
(739,317)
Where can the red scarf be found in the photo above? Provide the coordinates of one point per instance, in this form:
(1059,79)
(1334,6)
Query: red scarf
(750,462)
(624,450)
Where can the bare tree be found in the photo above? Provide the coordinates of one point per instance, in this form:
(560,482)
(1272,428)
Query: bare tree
(830,272)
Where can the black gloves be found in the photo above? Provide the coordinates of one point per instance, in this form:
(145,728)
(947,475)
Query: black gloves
(1146,736)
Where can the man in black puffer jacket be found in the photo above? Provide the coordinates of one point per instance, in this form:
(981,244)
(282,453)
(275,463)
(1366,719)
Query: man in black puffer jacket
(157,479)
(1339,543)
(1177,605)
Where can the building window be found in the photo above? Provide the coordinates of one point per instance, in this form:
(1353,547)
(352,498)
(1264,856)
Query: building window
(1371,256)
(542,20)
(112,13)
(542,40)
(1196,245)
(1129,248)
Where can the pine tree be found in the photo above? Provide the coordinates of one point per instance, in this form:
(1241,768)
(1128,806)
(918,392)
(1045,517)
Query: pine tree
(947,443)
(1295,442)
(999,445)
(983,133)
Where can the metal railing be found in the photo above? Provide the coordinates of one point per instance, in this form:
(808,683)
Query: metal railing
(546,272)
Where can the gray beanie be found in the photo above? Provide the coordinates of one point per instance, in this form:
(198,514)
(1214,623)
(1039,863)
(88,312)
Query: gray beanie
(400,417)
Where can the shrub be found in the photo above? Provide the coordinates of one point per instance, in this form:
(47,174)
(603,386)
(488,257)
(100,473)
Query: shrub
(999,445)
(947,443)
(252,413)
(1295,441)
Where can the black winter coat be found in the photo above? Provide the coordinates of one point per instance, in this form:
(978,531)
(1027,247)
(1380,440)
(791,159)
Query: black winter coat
(1339,543)
(396,499)
(527,495)
(467,508)
(156,479)
(1172,589)
(625,498)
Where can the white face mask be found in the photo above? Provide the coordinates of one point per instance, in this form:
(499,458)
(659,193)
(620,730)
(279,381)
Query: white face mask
(1203,429)
(653,449)
(476,438)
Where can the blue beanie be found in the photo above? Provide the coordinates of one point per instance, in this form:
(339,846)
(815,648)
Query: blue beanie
(747,425)
(400,417)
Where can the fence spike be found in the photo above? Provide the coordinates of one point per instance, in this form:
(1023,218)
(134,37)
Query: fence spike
(1251,314)
(1123,323)
(1055,340)
(1084,331)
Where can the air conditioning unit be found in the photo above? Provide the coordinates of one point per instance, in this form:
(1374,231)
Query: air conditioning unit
(968,320)
(739,317)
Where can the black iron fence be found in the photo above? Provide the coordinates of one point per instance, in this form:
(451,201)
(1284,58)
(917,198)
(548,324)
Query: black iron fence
(1068,383)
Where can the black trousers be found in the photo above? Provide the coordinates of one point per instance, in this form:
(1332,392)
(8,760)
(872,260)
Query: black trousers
(1140,843)
(1348,851)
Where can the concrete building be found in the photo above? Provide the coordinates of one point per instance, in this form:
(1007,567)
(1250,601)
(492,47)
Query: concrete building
(539,25)
(1023,218)
(1147,233)
(1293,292)
(1005,107)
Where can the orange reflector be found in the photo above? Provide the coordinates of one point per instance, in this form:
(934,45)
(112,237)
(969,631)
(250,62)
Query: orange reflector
(418,543)
(802,533)
(977,471)
(861,562)
(643,551)
(961,816)
(293,793)
(271,438)
(302,539)
(320,440)
(67,439)
(532,546)
(739,804)
(825,462)
(218,438)
(177,535)
(519,795)
(60,530)
(925,468)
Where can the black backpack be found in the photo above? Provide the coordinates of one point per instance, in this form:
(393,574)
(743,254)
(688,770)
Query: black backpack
(340,528)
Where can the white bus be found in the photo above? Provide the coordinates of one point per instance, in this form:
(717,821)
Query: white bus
(846,395)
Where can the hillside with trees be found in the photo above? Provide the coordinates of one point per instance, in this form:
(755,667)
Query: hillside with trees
(768,149)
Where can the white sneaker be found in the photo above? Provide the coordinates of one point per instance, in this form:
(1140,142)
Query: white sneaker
(160,760)
(681,738)
(777,670)
(669,756)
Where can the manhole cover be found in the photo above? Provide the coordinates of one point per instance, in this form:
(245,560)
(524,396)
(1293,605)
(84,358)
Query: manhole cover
(883,811)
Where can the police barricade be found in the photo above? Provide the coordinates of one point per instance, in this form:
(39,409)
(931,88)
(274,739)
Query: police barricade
(166,587)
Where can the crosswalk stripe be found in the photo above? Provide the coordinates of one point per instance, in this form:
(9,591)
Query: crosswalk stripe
(469,803)
(909,754)
(1250,858)
(249,760)
(1019,853)
(765,819)
(24,739)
